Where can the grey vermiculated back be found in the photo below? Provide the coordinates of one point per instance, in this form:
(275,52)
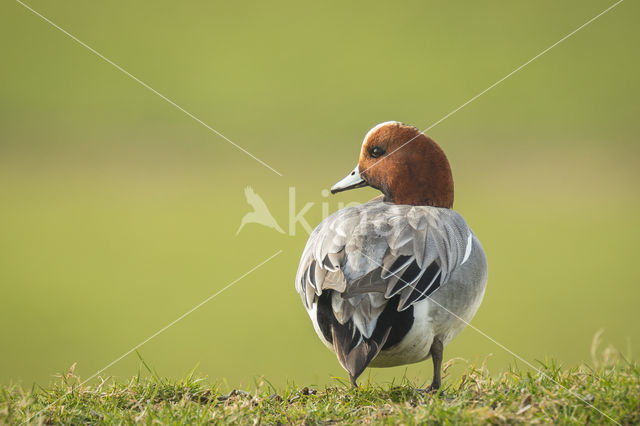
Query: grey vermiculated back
(345,253)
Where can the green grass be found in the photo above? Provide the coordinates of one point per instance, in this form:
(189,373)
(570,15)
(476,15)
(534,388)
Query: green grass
(514,396)
(118,213)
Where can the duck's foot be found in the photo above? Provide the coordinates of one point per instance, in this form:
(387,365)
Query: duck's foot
(431,389)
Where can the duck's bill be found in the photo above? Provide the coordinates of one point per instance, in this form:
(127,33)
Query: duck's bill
(350,181)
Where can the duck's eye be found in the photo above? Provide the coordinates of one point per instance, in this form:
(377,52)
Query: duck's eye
(376,152)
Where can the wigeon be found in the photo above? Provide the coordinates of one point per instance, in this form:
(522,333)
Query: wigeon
(392,281)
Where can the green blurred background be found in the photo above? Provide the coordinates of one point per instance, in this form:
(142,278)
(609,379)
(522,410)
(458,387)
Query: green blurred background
(118,212)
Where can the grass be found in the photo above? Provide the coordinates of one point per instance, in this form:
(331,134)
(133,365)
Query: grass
(514,396)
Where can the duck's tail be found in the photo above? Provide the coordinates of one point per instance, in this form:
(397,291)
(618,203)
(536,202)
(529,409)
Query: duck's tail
(355,359)
(354,349)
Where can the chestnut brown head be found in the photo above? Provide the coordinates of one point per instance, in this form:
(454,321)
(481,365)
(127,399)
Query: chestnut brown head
(404,164)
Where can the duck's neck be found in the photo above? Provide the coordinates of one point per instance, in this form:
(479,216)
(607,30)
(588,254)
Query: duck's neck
(421,200)
(429,183)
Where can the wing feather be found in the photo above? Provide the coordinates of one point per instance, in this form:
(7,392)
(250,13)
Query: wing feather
(370,253)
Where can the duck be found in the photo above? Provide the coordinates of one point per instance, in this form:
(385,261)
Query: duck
(392,281)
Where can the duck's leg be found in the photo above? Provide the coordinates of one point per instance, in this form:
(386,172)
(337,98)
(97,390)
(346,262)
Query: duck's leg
(436,351)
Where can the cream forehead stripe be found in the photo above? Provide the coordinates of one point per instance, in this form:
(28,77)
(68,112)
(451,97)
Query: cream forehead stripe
(376,127)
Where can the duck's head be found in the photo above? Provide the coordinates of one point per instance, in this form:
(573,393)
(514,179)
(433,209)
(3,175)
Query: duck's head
(404,164)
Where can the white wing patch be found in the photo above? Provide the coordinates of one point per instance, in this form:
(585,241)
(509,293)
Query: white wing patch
(467,251)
